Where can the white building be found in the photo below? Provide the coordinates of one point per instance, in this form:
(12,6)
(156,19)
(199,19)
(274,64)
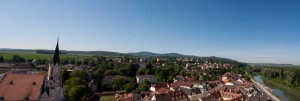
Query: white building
(143,78)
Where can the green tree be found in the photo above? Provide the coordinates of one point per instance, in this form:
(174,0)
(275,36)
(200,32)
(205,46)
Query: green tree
(119,83)
(1,59)
(149,68)
(17,59)
(78,63)
(148,82)
(75,93)
(65,74)
(130,86)
(195,75)
(80,74)
(66,61)
(143,87)
(75,88)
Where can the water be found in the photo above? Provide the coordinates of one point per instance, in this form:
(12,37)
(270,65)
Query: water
(283,95)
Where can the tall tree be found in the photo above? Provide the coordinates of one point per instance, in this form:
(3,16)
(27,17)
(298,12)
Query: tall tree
(17,59)
(80,74)
(130,86)
(143,87)
(1,59)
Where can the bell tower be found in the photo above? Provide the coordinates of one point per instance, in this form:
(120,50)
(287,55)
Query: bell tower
(53,88)
(54,65)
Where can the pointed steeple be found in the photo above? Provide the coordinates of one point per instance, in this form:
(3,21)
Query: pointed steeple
(56,59)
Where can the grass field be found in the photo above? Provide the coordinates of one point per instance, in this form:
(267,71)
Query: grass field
(107,97)
(34,56)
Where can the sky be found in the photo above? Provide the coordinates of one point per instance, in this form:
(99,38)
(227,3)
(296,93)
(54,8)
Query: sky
(252,31)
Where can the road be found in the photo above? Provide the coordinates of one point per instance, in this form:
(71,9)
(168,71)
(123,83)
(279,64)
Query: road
(261,87)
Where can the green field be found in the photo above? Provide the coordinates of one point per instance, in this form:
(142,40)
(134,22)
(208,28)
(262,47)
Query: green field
(34,56)
(108,97)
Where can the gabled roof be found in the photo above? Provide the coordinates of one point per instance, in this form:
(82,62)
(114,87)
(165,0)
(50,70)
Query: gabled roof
(176,84)
(190,91)
(160,85)
(162,90)
(21,86)
(171,96)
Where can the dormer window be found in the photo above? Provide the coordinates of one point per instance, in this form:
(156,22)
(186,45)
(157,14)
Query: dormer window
(11,83)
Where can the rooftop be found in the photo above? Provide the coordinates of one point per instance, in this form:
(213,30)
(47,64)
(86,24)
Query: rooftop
(21,86)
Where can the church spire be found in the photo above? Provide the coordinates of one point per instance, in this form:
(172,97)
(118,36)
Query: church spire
(56,58)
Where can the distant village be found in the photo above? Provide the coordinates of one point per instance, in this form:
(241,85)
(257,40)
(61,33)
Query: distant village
(127,78)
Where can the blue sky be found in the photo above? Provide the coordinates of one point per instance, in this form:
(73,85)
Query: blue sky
(265,31)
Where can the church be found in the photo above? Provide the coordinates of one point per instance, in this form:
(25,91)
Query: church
(53,87)
(34,87)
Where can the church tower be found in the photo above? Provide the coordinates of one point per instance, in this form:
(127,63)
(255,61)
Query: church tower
(54,65)
(53,88)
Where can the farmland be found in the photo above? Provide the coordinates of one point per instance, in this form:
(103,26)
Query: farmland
(34,56)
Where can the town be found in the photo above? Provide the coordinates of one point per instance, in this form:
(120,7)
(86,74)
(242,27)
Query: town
(126,78)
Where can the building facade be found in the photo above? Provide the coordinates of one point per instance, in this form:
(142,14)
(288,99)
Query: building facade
(143,78)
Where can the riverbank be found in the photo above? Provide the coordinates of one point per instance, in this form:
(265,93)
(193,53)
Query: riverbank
(294,92)
(265,90)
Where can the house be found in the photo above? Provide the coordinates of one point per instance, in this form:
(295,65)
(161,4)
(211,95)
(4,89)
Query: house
(171,96)
(229,93)
(213,96)
(142,78)
(136,95)
(173,86)
(157,86)
(193,93)
(19,87)
(6,65)
(259,96)
(142,65)
(229,77)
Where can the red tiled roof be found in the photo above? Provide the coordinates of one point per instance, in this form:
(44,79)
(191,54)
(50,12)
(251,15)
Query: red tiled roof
(180,83)
(162,90)
(21,86)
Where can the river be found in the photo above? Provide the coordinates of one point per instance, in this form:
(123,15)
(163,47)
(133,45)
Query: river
(282,94)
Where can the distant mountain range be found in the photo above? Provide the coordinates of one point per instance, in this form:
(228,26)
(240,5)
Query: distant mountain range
(139,54)
(269,64)
(145,53)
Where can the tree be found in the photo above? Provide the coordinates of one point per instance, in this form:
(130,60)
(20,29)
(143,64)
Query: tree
(17,59)
(76,92)
(148,82)
(78,63)
(65,74)
(149,68)
(75,88)
(65,61)
(119,83)
(85,62)
(80,74)
(143,87)
(133,68)
(195,75)
(130,86)
(91,62)
(141,72)
(1,59)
